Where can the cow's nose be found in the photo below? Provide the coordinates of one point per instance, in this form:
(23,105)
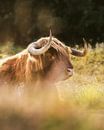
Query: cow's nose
(70,71)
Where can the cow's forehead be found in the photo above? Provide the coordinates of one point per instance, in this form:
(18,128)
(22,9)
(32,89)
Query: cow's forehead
(56,44)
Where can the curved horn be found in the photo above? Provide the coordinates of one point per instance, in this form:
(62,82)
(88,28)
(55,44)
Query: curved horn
(32,48)
(80,53)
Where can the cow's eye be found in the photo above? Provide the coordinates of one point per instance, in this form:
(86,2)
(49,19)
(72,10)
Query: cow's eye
(51,57)
(48,55)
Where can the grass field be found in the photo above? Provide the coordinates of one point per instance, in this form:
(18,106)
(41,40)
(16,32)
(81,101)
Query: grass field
(79,105)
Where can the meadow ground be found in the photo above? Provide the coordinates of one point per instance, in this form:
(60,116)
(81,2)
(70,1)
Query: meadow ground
(80,105)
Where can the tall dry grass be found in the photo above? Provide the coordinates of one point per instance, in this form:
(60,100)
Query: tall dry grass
(76,104)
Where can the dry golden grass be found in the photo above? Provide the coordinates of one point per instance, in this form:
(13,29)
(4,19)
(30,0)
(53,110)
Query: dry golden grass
(79,104)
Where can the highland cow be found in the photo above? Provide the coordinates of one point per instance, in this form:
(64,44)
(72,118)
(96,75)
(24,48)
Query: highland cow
(45,61)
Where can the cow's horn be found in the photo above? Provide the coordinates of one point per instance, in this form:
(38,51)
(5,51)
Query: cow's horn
(80,53)
(32,48)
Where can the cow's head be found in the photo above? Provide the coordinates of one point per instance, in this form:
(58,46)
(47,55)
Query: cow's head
(54,57)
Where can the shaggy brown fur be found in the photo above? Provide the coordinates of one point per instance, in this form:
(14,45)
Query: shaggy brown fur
(28,69)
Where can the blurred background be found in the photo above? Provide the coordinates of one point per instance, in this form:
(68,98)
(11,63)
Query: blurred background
(22,21)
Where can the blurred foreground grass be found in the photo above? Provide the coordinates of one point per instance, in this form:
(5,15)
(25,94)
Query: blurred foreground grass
(79,105)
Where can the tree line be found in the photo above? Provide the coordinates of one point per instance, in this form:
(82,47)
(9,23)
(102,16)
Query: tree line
(23,21)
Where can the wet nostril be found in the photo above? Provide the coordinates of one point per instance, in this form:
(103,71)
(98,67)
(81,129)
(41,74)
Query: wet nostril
(70,71)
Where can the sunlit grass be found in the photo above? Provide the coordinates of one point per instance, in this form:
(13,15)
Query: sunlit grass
(79,104)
